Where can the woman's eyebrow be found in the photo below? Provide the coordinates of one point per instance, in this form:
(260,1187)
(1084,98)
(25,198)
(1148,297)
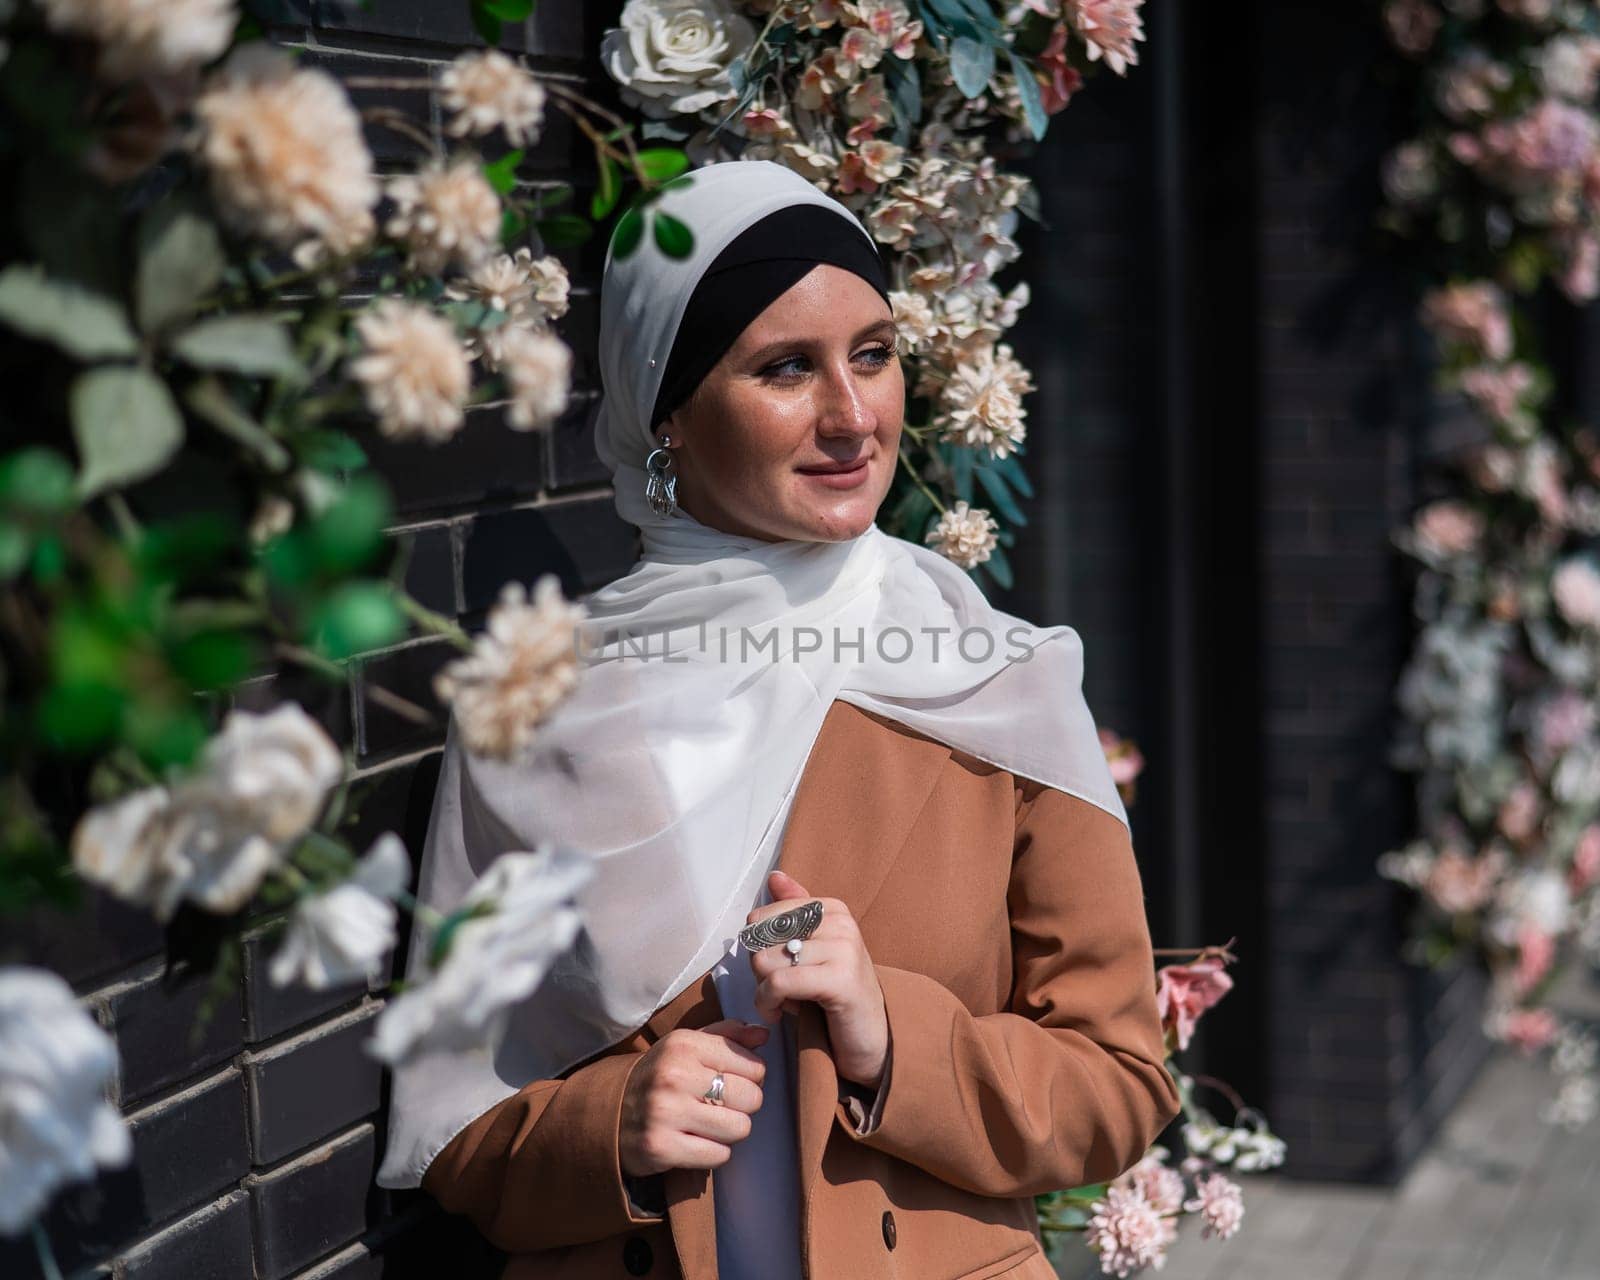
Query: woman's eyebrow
(886,323)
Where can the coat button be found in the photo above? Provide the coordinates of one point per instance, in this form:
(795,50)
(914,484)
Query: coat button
(888,1228)
(637,1256)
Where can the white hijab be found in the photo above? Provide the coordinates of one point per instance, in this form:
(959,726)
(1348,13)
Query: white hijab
(675,771)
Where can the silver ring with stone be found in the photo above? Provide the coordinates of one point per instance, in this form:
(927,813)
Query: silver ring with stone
(713,1095)
(797,922)
(793,947)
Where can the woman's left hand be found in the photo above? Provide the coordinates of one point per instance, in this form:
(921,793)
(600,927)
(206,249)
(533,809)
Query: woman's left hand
(836,972)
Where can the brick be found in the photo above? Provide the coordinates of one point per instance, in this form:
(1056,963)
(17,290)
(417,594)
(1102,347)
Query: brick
(406,672)
(269,1011)
(82,943)
(160,1035)
(311,1085)
(214,1241)
(190,1145)
(355,1263)
(414,105)
(396,798)
(573,461)
(585,543)
(430,567)
(485,463)
(325,699)
(311,1206)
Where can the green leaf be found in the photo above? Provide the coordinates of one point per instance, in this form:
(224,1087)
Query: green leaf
(630,230)
(251,344)
(15,546)
(1032,100)
(126,425)
(609,189)
(1091,1192)
(960,458)
(662,164)
(999,568)
(563,230)
(347,536)
(180,261)
(38,481)
(211,401)
(485,23)
(995,486)
(1010,467)
(77,717)
(672,237)
(501,174)
(509,10)
(212,659)
(513,222)
(330,451)
(971,65)
(81,323)
(358,617)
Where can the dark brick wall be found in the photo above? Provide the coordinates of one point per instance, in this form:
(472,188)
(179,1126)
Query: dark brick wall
(256,1136)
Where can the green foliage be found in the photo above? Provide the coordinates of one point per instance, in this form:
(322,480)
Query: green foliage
(180,262)
(81,323)
(126,426)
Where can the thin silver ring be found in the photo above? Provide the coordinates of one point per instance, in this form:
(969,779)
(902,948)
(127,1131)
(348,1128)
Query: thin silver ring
(793,947)
(713,1095)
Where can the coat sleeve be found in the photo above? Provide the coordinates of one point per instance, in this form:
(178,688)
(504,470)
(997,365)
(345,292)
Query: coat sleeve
(541,1169)
(1069,1085)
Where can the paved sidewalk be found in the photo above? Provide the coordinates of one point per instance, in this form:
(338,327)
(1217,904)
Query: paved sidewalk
(1499,1196)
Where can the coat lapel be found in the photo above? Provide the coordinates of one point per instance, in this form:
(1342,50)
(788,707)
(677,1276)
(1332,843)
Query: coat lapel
(865,782)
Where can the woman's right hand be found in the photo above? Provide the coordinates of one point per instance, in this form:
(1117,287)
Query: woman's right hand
(667,1122)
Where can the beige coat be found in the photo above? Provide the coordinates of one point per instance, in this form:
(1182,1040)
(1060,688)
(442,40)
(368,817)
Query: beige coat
(1006,921)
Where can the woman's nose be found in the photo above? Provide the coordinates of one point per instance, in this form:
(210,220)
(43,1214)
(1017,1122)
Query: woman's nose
(845,411)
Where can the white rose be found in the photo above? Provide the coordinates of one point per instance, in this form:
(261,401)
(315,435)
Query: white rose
(345,933)
(671,57)
(56,1126)
(275,767)
(492,960)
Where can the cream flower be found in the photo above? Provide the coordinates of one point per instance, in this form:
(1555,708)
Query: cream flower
(965,535)
(1110,29)
(519,670)
(527,290)
(1575,587)
(506,932)
(56,1069)
(672,57)
(214,836)
(445,215)
(914,318)
(1128,1233)
(981,406)
(147,37)
(345,933)
(538,367)
(413,371)
(484,91)
(287,158)
(1220,1203)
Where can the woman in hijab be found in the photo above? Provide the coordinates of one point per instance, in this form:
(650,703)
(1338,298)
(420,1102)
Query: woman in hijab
(790,720)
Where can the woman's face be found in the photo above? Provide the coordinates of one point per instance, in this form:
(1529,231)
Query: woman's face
(812,385)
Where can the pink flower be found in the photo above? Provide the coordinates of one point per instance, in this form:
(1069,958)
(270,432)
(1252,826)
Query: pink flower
(1220,1203)
(1160,1185)
(1536,952)
(1528,1030)
(1128,1233)
(1498,389)
(1580,276)
(1586,860)
(1448,528)
(1125,759)
(1061,79)
(1412,25)
(1472,314)
(1564,721)
(1520,813)
(1185,991)
(1110,28)
(1576,589)
(1458,884)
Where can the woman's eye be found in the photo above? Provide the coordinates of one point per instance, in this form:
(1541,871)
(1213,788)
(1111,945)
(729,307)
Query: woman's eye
(798,366)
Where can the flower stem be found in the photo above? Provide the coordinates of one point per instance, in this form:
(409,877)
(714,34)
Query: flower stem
(47,1257)
(433,623)
(917,480)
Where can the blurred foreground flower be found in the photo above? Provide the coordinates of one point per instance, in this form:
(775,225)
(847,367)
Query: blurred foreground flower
(56,1065)
(147,37)
(413,371)
(483,90)
(1185,991)
(213,837)
(487,955)
(344,934)
(524,663)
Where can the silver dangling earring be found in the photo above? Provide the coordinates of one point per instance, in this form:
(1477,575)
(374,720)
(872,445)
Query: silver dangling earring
(661,479)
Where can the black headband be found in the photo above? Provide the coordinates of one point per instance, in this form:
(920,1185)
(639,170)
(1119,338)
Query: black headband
(758,266)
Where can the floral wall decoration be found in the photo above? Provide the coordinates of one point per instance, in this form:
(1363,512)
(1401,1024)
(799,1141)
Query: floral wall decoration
(1496,196)
(905,111)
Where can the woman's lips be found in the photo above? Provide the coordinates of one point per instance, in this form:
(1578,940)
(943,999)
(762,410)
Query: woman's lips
(835,479)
